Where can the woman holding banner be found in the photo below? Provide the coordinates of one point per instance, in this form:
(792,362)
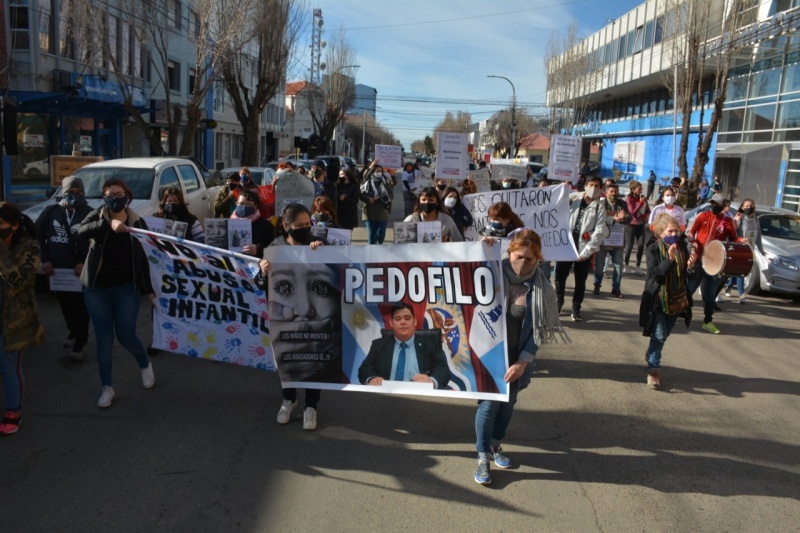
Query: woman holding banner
(115,273)
(283,294)
(377,195)
(531,320)
(429,209)
(173,207)
(263,231)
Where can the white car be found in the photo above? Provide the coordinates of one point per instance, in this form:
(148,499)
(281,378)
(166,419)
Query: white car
(148,178)
(37,169)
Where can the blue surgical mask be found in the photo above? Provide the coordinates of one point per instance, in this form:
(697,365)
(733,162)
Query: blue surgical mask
(496,225)
(115,205)
(244,211)
(671,239)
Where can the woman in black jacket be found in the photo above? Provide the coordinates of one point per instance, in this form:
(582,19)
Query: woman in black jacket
(456,209)
(115,273)
(666,295)
(347,189)
(263,230)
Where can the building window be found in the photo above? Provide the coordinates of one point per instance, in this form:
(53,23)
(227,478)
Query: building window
(196,24)
(173,76)
(732,120)
(789,115)
(47,29)
(66,32)
(659,35)
(760,118)
(638,39)
(629,42)
(765,83)
(174,14)
(19,25)
(219,97)
(648,34)
(621,49)
(192,75)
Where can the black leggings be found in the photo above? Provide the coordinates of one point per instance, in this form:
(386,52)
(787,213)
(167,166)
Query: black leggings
(312,396)
(634,231)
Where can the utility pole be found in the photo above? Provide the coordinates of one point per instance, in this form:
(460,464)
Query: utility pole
(512,151)
(364,141)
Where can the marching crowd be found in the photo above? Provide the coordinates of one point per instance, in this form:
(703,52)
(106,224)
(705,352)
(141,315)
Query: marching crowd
(113,270)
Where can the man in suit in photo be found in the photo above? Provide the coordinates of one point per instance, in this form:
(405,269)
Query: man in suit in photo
(405,356)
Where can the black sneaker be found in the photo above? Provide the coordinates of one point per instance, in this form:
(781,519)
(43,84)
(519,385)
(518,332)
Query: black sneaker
(560,306)
(596,289)
(576,315)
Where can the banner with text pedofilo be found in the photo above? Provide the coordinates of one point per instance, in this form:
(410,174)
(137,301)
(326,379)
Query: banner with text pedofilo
(335,321)
(207,303)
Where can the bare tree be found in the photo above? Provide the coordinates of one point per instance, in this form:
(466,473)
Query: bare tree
(452,123)
(572,76)
(701,40)
(500,127)
(418,146)
(135,31)
(328,102)
(254,67)
(365,126)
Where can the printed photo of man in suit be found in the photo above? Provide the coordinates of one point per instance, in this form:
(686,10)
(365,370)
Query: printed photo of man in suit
(405,356)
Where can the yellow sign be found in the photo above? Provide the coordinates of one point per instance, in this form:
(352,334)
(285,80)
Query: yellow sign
(62,166)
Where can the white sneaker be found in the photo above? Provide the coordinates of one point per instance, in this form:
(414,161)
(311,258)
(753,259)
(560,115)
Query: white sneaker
(627,270)
(148,377)
(285,414)
(743,299)
(728,293)
(720,299)
(106,397)
(310,419)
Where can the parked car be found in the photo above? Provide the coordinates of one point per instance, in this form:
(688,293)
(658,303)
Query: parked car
(148,178)
(535,168)
(37,169)
(778,268)
(351,164)
(261,175)
(332,165)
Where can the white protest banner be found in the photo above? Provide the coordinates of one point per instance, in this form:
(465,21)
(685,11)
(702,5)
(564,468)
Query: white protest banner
(452,161)
(429,231)
(240,234)
(164,226)
(513,169)
(481,179)
(616,237)
(425,178)
(565,157)
(207,304)
(216,230)
(452,303)
(293,187)
(332,236)
(389,155)
(543,209)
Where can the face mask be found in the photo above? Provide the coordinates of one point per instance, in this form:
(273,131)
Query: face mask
(669,200)
(450,202)
(75,200)
(521,267)
(497,225)
(717,209)
(441,186)
(172,208)
(750,210)
(506,184)
(5,232)
(115,205)
(592,192)
(244,211)
(427,208)
(246,183)
(322,218)
(300,235)
(318,174)
(671,239)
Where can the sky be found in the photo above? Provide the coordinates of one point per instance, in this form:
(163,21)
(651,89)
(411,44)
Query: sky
(444,49)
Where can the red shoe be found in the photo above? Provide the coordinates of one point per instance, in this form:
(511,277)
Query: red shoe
(654,379)
(11,422)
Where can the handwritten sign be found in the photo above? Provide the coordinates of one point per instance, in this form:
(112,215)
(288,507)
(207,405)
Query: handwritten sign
(293,187)
(389,155)
(565,157)
(481,179)
(451,158)
(512,169)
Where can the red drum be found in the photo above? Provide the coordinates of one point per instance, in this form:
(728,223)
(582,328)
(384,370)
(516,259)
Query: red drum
(727,258)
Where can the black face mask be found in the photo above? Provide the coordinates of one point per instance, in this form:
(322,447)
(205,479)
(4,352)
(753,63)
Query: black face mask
(750,210)
(427,208)
(5,232)
(717,209)
(441,187)
(116,205)
(171,208)
(300,235)
(74,200)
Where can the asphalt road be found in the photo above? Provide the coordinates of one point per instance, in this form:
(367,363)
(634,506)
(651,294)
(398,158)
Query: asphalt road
(593,448)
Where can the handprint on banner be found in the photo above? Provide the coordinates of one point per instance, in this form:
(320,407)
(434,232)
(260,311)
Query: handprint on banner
(232,344)
(194,338)
(210,352)
(191,351)
(169,326)
(210,337)
(233,329)
(172,344)
(258,351)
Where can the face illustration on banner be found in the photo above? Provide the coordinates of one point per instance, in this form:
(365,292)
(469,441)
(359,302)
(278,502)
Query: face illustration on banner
(405,233)
(305,322)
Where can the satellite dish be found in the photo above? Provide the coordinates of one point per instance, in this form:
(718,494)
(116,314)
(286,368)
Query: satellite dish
(322,66)
(322,44)
(320,23)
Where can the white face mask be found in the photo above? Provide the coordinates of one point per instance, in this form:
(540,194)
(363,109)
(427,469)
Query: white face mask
(450,202)
(591,192)
(669,200)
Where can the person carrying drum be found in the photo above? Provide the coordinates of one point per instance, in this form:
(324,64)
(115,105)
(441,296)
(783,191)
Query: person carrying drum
(709,226)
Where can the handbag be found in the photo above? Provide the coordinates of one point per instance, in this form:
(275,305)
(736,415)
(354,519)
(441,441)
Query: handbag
(678,301)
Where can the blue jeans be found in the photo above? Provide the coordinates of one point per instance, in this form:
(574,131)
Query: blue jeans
(13,378)
(114,310)
(708,286)
(739,281)
(662,327)
(376,231)
(600,266)
(493,418)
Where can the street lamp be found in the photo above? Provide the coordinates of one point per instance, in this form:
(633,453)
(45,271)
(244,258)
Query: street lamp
(513,150)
